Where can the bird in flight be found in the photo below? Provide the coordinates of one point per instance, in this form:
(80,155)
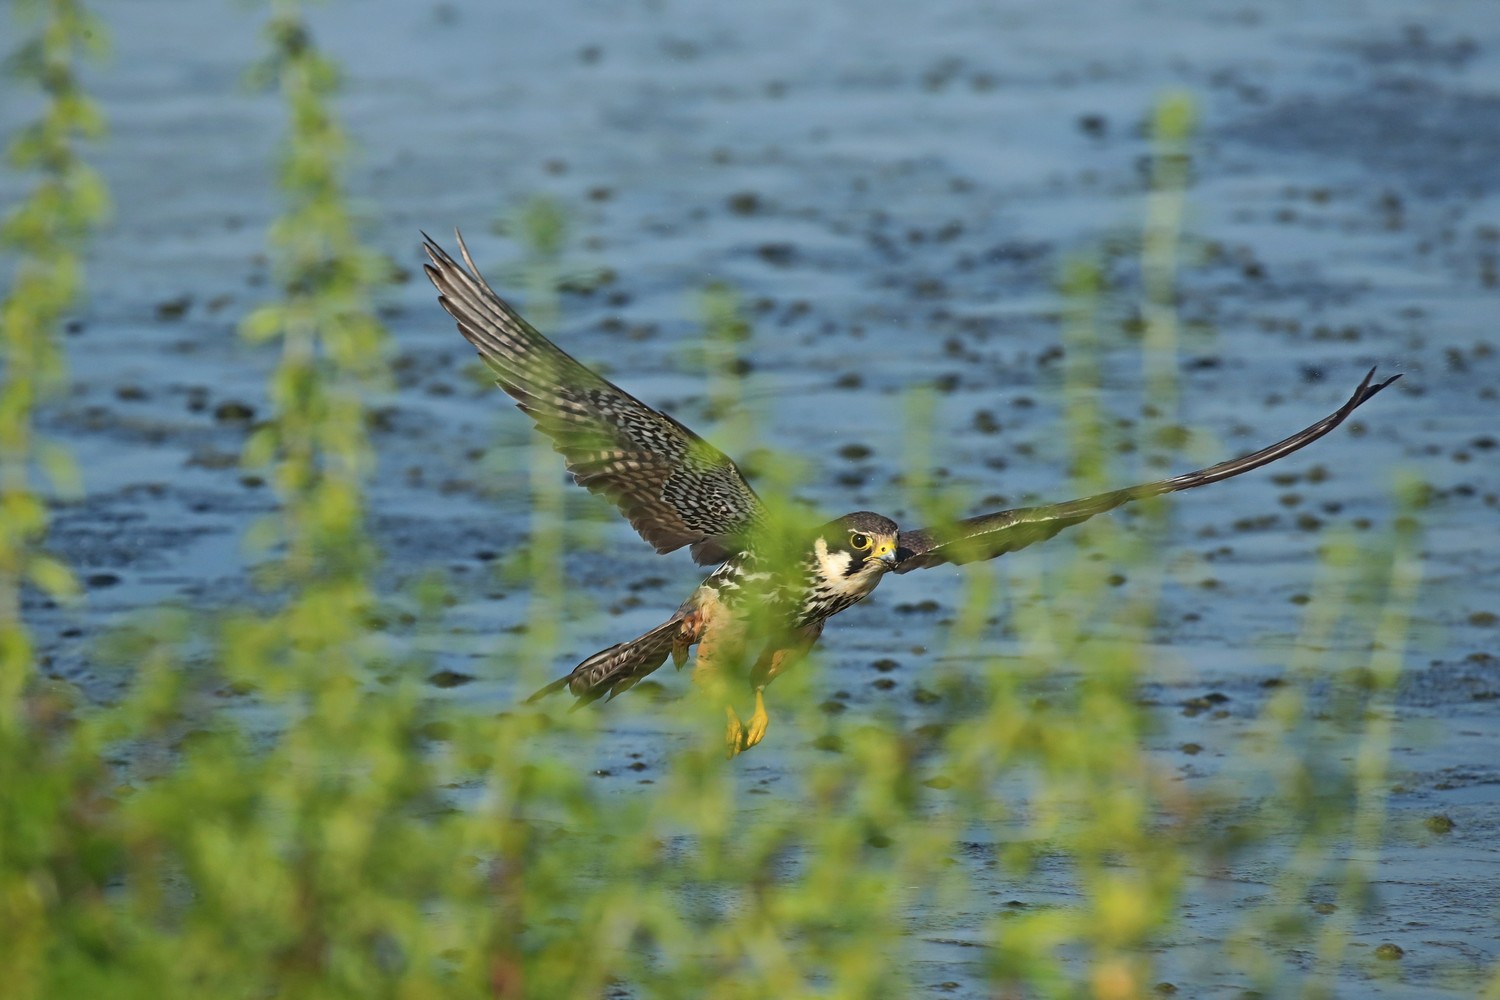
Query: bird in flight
(774,588)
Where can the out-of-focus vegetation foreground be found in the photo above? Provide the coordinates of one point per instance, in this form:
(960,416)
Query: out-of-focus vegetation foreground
(267,739)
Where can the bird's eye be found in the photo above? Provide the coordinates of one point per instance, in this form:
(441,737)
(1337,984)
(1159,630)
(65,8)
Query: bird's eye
(859,541)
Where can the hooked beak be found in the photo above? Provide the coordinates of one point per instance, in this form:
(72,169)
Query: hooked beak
(886,552)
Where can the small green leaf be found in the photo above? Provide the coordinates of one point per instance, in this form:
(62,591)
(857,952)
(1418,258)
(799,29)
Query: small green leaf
(263,324)
(58,464)
(52,577)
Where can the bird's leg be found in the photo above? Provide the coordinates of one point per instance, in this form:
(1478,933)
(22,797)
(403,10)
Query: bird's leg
(772,661)
(720,642)
(706,673)
(759,721)
(708,678)
(734,733)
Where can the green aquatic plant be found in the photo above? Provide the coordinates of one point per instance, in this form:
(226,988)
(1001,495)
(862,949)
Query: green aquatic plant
(291,843)
(53,791)
(1318,762)
(44,234)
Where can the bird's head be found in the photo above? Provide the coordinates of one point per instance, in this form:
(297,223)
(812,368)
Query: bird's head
(861,544)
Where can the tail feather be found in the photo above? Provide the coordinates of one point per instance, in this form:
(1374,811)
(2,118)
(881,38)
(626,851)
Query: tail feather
(554,686)
(612,670)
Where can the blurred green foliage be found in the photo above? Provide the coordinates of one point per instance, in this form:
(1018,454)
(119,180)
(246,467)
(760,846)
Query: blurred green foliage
(42,233)
(52,858)
(177,844)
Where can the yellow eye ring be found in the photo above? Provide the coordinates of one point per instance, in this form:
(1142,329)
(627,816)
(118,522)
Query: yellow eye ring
(860,542)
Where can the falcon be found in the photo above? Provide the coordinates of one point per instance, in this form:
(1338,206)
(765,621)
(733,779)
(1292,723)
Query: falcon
(776,584)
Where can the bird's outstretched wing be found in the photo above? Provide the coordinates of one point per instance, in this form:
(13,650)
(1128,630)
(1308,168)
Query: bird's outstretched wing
(675,488)
(991,535)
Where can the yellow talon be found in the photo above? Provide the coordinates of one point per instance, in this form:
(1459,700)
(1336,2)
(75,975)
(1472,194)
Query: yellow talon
(734,734)
(758,721)
(737,736)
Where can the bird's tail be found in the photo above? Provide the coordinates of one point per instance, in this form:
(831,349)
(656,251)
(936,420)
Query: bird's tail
(612,670)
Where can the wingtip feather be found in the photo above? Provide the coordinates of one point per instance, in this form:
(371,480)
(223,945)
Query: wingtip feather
(1369,388)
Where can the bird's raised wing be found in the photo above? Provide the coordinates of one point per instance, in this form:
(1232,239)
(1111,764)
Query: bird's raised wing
(675,488)
(991,535)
